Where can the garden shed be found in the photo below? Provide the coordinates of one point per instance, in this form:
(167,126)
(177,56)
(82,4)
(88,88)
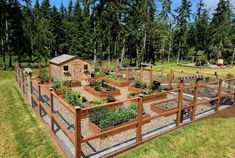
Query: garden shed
(69,67)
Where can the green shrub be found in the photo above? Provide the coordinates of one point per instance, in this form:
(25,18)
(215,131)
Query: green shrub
(74,98)
(148,91)
(56,86)
(110,98)
(139,84)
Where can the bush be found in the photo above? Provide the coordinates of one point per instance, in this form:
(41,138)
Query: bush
(110,98)
(139,84)
(74,98)
(56,86)
(105,117)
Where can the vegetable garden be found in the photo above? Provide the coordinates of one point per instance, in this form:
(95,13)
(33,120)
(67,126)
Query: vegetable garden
(101,118)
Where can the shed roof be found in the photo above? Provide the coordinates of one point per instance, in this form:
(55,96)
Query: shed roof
(61,59)
(200,52)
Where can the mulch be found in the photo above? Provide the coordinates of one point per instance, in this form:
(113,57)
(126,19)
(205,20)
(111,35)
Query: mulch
(227,113)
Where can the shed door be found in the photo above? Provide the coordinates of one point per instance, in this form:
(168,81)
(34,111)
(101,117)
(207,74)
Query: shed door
(77,72)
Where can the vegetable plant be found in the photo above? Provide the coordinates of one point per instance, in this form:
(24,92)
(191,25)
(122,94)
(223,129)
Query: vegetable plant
(74,98)
(106,117)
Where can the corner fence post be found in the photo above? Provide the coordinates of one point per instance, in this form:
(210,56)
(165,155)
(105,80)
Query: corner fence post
(51,111)
(195,96)
(180,98)
(39,99)
(78,136)
(218,95)
(139,119)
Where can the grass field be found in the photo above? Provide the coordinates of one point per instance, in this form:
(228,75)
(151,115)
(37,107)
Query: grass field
(214,138)
(173,66)
(21,134)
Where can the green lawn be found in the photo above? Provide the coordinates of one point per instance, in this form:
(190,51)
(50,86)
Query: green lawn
(173,66)
(214,138)
(21,134)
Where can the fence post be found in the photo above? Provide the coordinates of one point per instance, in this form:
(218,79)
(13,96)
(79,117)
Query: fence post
(139,118)
(78,132)
(195,96)
(151,73)
(141,72)
(31,91)
(51,111)
(22,82)
(219,95)
(39,99)
(180,98)
(127,74)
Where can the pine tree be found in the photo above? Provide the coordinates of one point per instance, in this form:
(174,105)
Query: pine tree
(45,9)
(182,18)
(70,10)
(221,27)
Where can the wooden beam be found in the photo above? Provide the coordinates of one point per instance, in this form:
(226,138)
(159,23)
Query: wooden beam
(195,96)
(219,95)
(78,136)
(180,99)
(139,118)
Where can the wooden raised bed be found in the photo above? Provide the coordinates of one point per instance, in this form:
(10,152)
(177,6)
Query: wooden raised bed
(101,94)
(86,112)
(96,130)
(133,89)
(119,83)
(155,96)
(156,108)
(73,84)
(99,76)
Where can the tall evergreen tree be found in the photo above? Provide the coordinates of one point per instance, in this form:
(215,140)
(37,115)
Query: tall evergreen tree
(221,27)
(182,19)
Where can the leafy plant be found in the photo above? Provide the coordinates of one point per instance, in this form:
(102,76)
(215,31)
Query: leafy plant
(74,98)
(105,117)
(148,91)
(139,84)
(56,86)
(97,101)
(110,98)
(101,85)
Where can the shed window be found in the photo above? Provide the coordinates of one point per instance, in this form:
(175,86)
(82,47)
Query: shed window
(66,68)
(86,67)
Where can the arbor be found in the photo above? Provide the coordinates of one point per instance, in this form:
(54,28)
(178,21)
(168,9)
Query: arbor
(182,17)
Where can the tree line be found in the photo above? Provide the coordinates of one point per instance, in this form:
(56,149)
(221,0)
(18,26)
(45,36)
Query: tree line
(130,30)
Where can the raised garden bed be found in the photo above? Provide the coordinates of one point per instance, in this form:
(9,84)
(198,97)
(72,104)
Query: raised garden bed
(72,83)
(164,107)
(118,82)
(103,119)
(96,129)
(133,89)
(101,88)
(155,96)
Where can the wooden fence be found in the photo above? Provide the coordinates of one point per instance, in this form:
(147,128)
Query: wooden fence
(78,136)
